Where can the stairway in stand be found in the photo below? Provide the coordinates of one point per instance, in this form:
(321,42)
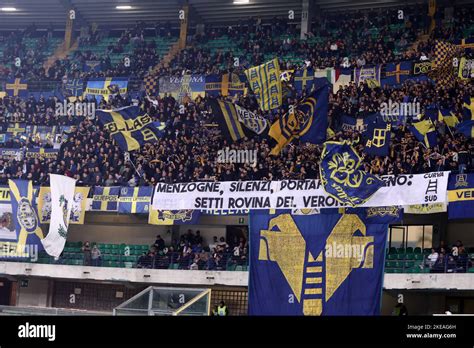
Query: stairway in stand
(60,53)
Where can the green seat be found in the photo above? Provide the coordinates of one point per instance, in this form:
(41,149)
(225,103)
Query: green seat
(401,251)
(419,257)
(470,270)
(409,264)
(399,264)
(417,250)
(175,266)
(397,270)
(391,256)
(239,268)
(410,256)
(409,250)
(400,256)
(426,251)
(391,264)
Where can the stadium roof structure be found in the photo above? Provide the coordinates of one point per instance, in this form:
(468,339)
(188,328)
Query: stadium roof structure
(105,12)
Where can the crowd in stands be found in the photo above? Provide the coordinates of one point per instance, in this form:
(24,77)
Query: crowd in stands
(190,253)
(444,259)
(188,151)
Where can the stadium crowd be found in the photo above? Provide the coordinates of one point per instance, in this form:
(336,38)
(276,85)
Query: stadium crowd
(188,151)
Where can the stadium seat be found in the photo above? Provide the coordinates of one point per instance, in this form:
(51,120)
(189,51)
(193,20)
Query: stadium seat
(417,250)
(409,256)
(409,264)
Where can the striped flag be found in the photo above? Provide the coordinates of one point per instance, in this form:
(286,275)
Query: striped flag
(265,82)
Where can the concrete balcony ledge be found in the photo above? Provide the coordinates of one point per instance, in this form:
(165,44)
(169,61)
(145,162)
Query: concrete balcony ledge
(135,275)
(438,281)
(432,281)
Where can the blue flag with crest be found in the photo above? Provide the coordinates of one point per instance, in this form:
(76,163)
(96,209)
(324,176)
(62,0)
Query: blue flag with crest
(321,264)
(342,176)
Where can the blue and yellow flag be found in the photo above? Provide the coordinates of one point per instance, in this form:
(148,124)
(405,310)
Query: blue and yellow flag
(105,87)
(129,127)
(106,198)
(468,108)
(320,264)
(17,88)
(377,138)
(396,74)
(264,80)
(467,126)
(304,80)
(25,215)
(371,76)
(173,217)
(342,176)
(447,116)
(42,153)
(225,84)
(135,200)
(425,132)
(308,121)
(74,87)
(443,71)
(92,65)
(461,196)
(236,122)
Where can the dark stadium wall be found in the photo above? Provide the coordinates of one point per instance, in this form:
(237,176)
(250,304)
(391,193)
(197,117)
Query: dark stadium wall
(118,233)
(428,302)
(461,230)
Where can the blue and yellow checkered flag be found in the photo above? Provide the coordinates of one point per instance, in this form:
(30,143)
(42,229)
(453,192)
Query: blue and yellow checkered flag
(342,176)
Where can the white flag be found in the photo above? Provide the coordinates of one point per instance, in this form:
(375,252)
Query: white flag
(62,196)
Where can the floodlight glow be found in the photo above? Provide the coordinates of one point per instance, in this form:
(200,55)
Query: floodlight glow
(123,7)
(8,9)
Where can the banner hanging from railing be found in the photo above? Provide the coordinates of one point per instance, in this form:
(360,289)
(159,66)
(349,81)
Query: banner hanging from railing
(295,194)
